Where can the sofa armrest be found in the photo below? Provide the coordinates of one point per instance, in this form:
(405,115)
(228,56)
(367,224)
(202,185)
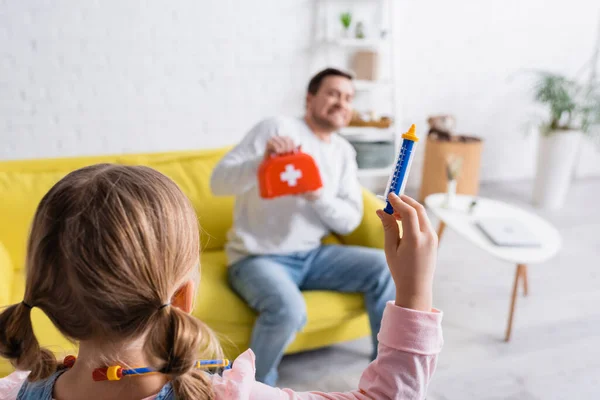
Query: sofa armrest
(6,276)
(370,232)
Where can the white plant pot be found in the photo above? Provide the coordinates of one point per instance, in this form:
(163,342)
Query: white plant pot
(556,158)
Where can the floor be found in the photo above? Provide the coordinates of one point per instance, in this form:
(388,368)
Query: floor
(555,348)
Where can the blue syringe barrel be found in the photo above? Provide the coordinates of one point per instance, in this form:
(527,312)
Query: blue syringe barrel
(397,181)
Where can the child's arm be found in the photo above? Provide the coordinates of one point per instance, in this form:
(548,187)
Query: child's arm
(411,335)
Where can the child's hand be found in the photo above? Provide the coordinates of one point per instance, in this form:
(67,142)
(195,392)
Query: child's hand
(411,259)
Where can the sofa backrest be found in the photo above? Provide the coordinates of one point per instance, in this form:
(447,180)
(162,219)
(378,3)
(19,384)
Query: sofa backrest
(6,276)
(23,183)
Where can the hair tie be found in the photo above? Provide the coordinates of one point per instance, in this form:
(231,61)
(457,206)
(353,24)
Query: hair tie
(164,305)
(29,306)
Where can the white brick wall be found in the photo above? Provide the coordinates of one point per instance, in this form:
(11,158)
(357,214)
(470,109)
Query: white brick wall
(92,77)
(89,77)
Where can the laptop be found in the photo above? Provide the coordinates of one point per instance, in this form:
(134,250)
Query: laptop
(507,232)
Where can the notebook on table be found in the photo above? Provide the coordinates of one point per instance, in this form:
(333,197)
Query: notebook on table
(507,232)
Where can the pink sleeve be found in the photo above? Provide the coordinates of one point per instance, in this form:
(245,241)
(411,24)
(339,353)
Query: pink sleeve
(409,342)
(10,385)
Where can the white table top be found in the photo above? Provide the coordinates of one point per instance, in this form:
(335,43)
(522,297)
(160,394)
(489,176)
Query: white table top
(459,220)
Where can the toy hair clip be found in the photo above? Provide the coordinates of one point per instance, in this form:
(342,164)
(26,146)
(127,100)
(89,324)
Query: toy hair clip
(116,372)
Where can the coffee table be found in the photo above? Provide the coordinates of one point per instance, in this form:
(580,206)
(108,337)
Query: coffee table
(460,219)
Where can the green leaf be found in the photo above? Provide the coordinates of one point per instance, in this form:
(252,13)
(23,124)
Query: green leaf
(570,104)
(346,19)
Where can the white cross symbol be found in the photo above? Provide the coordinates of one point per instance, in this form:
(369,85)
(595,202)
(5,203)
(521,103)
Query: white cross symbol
(291,175)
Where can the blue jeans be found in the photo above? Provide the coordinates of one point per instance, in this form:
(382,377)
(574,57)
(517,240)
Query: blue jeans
(271,285)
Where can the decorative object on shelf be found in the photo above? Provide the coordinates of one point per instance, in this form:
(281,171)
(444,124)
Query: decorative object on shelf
(442,141)
(361,120)
(441,126)
(360,30)
(365,65)
(346,20)
(453,167)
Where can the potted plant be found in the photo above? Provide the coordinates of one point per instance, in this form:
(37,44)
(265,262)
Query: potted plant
(572,111)
(346,20)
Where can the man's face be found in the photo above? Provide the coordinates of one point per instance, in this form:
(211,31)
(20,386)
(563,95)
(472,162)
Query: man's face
(331,106)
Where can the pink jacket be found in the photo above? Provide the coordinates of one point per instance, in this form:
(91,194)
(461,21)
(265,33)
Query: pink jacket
(409,343)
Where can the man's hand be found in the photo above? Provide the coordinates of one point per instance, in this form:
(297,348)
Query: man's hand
(312,196)
(279,145)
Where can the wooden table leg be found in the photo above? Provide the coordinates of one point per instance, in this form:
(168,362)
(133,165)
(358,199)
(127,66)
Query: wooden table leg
(519,273)
(440,230)
(524,278)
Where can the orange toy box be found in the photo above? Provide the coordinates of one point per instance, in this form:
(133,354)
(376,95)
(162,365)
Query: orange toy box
(288,174)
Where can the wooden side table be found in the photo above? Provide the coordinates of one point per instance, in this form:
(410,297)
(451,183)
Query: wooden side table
(460,219)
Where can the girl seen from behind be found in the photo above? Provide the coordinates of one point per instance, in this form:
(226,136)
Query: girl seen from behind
(113,261)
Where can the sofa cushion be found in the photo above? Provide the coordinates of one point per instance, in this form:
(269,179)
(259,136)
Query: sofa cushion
(218,304)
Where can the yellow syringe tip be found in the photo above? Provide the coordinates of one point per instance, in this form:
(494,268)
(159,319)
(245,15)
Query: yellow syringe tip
(410,135)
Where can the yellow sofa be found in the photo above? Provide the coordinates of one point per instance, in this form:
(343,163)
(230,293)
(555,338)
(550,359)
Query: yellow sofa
(332,317)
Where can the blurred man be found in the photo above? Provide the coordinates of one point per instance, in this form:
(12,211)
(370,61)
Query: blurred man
(274,247)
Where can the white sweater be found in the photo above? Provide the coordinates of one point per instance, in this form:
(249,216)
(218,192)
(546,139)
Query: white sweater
(290,223)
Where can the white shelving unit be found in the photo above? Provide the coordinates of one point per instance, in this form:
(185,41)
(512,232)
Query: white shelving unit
(373,44)
(374,172)
(360,85)
(384,90)
(367,134)
(367,130)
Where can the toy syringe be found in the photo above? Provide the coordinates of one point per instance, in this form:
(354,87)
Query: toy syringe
(398,178)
